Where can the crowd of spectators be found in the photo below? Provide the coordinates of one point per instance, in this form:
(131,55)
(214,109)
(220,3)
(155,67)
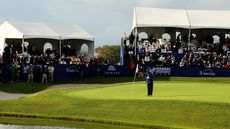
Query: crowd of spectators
(196,53)
(33,65)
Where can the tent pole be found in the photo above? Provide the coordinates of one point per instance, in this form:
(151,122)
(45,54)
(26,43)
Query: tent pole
(189,38)
(23,40)
(136,41)
(60,46)
(136,34)
(190,27)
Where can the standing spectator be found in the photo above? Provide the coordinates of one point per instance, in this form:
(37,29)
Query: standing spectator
(44,73)
(37,73)
(18,69)
(149,81)
(131,39)
(124,39)
(24,72)
(51,73)
(13,72)
(30,73)
(12,50)
(151,37)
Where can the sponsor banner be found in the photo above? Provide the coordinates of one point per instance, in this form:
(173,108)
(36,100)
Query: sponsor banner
(115,70)
(70,72)
(161,71)
(200,72)
(190,72)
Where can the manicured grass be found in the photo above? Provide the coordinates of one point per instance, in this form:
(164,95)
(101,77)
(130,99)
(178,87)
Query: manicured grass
(178,103)
(199,92)
(46,122)
(36,87)
(23,87)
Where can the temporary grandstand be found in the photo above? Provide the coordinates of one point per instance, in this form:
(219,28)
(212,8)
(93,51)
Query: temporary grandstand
(202,23)
(39,34)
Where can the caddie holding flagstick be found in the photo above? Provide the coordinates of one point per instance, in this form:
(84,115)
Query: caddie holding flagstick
(149,81)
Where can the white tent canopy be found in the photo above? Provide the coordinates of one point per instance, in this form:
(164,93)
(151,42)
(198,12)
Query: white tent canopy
(34,30)
(155,17)
(193,19)
(71,32)
(214,19)
(42,30)
(26,30)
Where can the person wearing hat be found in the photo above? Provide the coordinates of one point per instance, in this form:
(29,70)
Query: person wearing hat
(149,81)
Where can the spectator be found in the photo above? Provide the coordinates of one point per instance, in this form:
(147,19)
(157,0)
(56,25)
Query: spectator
(24,72)
(181,63)
(44,73)
(30,73)
(73,60)
(131,39)
(124,39)
(161,60)
(13,72)
(51,73)
(227,65)
(180,50)
(18,69)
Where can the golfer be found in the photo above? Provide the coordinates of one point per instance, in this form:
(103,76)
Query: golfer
(149,81)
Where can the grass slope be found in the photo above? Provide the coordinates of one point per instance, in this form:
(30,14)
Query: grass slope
(176,103)
(46,122)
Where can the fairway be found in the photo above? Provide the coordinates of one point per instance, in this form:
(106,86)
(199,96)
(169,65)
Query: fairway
(203,92)
(183,103)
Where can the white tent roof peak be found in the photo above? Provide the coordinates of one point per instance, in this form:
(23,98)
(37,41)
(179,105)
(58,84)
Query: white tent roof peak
(158,17)
(71,32)
(7,30)
(14,29)
(181,18)
(218,19)
(34,30)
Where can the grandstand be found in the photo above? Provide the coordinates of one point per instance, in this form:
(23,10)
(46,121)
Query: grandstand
(180,38)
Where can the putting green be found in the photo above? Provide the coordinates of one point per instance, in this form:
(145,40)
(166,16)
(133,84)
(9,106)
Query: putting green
(183,103)
(202,92)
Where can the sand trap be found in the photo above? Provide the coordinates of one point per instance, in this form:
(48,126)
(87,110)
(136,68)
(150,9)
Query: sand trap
(10,96)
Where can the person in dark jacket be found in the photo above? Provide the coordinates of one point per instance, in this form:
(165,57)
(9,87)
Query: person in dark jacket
(149,81)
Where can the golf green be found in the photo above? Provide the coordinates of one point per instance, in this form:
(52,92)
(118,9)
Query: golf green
(174,104)
(202,92)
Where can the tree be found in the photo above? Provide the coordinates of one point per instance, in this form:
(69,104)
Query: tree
(109,52)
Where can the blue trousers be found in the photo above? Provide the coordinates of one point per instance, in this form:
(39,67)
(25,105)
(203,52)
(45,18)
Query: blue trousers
(150,89)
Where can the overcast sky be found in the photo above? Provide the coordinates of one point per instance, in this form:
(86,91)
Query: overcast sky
(106,20)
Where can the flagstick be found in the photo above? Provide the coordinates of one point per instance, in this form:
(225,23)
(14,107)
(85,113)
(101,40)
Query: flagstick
(134,79)
(136,71)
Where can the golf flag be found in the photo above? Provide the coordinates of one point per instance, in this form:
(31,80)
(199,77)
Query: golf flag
(137,69)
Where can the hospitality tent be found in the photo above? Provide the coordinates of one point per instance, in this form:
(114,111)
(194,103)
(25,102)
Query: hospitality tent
(75,36)
(156,17)
(189,19)
(40,33)
(17,32)
(158,21)
(209,19)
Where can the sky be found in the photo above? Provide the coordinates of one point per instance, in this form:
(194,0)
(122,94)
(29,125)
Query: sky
(106,20)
